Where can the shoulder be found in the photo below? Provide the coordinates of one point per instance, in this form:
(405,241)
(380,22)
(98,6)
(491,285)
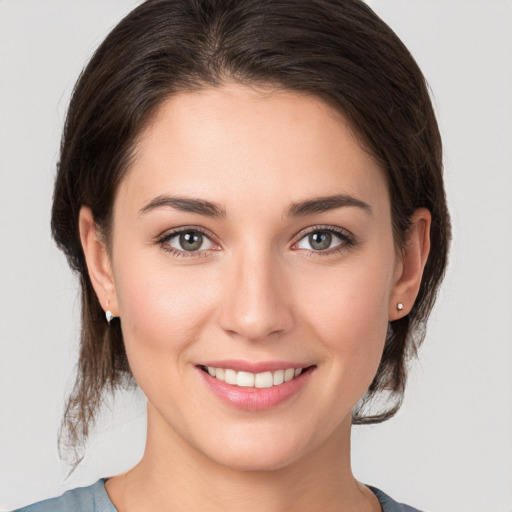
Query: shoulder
(389,504)
(93,498)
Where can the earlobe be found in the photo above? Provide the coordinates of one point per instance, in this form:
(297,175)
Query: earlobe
(410,268)
(98,261)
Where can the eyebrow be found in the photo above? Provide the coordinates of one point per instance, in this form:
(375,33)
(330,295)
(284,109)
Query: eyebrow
(185,204)
(324,204)
(299,209)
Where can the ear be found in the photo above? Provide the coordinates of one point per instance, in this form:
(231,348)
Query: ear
(409,268)
(98,261)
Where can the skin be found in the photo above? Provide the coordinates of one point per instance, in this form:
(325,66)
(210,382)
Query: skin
(258,292)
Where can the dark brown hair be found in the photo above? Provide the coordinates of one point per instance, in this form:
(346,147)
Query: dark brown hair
(338,50)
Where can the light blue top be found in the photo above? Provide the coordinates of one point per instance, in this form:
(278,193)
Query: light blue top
(95,499)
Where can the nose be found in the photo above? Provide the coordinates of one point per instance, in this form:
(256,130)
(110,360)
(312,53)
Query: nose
(256,300)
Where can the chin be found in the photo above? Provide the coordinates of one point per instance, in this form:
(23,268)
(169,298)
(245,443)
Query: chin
(255,461)
(258,453)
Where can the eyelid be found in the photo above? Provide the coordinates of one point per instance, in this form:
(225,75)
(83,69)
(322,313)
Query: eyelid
(347,238)
(171,233)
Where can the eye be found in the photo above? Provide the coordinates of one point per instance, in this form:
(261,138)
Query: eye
(322,240)
(187,241)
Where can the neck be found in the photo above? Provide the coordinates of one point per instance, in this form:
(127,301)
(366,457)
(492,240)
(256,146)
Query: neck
(173,475)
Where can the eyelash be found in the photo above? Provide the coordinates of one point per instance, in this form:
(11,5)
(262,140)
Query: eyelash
(346,238)
(164,240)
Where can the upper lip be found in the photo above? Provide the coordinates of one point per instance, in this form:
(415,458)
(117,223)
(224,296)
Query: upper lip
(254,366)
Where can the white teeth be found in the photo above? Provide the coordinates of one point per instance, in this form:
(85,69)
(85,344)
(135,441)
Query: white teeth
(289,374)
(264,380)
(245,379)
(230,376)
(257,380)
(278,377)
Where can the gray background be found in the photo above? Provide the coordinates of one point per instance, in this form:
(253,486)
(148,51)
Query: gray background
(450,447)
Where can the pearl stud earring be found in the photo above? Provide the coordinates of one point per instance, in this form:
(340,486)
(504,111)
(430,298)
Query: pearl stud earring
(400,306)
(109,313)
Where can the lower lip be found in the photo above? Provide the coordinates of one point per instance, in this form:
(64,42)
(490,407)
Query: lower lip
(255,399)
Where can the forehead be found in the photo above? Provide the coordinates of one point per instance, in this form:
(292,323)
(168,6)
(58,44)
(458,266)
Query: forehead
(236,141)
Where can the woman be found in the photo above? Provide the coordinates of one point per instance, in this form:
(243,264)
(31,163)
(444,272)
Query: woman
(252,195)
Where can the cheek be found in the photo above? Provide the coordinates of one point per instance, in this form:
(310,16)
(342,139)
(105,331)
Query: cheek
(352,298)
(349,314)
(162,310)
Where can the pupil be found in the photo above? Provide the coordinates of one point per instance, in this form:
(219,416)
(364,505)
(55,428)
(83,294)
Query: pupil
(191,241)
(320,240)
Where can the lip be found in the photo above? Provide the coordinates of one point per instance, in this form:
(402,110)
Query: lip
(254,367)
(255,399)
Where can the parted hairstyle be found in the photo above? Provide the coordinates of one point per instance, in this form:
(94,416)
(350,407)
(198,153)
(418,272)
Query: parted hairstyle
(337,50)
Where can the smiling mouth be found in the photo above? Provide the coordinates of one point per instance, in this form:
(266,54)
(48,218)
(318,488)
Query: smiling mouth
(266,379)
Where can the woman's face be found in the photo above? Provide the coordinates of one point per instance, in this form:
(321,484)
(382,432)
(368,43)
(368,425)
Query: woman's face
(252,238)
